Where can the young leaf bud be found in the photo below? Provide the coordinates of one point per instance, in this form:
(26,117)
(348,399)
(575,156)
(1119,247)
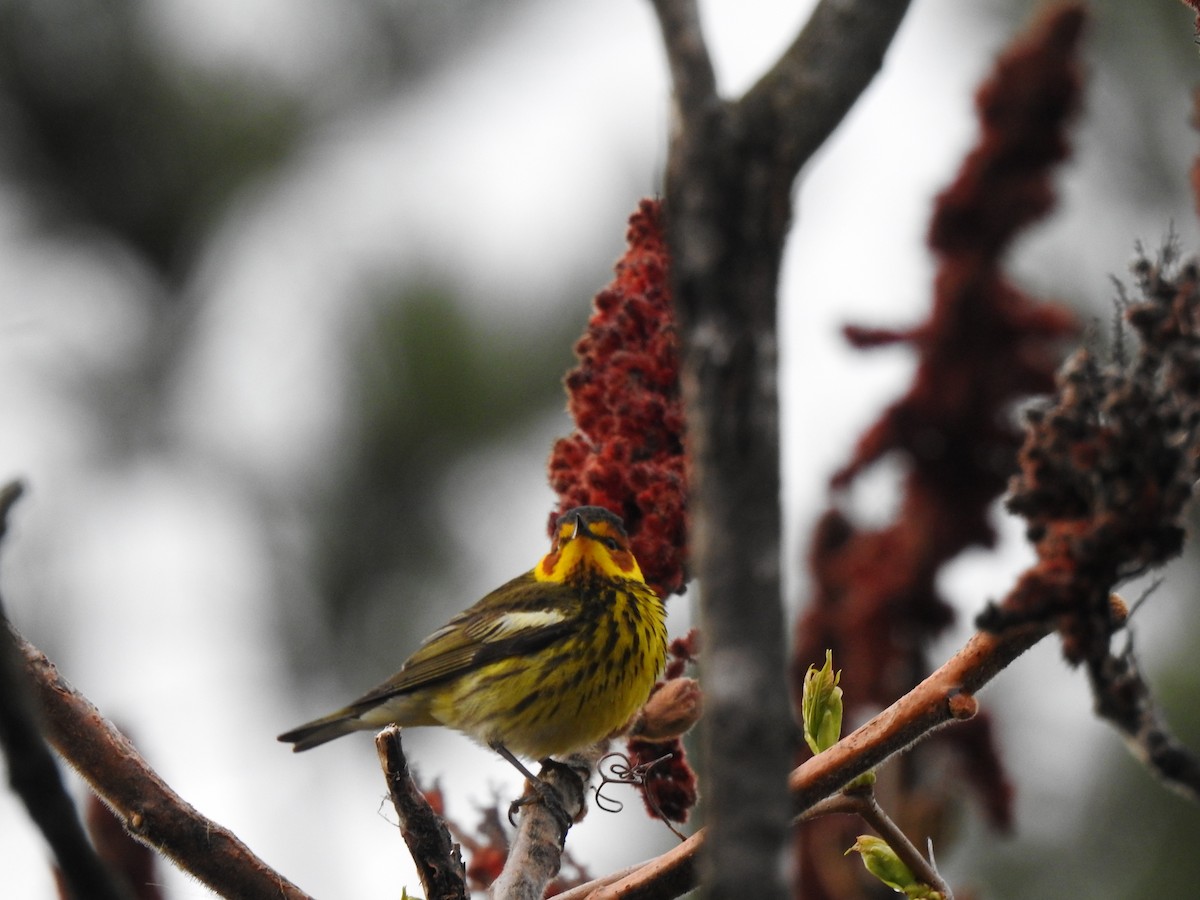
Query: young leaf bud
(821,706)
(882,862)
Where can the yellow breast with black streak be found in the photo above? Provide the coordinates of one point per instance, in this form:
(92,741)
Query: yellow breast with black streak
(575,657)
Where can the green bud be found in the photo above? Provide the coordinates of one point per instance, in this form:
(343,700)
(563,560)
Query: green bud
(821,706)
(882,862)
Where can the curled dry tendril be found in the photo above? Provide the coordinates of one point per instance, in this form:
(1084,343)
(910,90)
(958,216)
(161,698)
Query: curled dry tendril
(616,768)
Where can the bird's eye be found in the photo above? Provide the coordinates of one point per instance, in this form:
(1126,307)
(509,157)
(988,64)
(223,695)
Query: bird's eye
(610,543)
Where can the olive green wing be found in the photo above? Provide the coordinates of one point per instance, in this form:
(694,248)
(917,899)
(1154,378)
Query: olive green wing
(518,618)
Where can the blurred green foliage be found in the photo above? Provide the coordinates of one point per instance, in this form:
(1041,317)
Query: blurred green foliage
(433,385)
(111,134)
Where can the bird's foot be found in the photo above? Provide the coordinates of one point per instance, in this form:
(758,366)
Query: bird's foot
(544,793)
(541,792)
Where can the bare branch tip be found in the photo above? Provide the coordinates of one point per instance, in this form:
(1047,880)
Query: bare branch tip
(9,495)
(963,706)
(692,73)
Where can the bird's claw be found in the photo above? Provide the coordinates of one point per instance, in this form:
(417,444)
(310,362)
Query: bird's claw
(548,797)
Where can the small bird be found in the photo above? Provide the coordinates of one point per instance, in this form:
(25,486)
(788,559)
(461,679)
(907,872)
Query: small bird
(551,662)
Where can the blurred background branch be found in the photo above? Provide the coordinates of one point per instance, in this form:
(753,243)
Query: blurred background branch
(147,806)
(32,770)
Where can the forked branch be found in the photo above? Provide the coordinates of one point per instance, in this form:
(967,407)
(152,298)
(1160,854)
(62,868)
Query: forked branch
(731,170)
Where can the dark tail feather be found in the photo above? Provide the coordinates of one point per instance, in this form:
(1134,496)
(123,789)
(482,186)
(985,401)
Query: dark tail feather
(319,731)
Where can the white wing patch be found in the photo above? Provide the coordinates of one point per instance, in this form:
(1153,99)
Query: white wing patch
(513,623)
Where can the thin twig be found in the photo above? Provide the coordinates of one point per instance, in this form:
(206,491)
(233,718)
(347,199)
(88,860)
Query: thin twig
(149,809)
(946,695)
(861,802)
(1124,699)
(866,806)
(32,770)
(438,860)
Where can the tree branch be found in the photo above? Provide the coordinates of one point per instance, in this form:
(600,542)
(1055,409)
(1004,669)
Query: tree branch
(536,853)
(730,173)
(692,74)
(945,696)
(669,875)
(32,771)
(591,888)
(1124,699)
(439,863)
(150,810)
(808,92)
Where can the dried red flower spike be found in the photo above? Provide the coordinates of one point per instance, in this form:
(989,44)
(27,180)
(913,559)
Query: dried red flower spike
(1108,469)
(487,862)
(627,452)
(985,345)
(669,788)
(683,650)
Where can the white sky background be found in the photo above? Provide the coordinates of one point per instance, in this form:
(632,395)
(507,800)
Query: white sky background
(504,170)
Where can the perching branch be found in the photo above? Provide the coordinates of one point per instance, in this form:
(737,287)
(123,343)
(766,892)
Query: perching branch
(536,852)
(439,863)
(150,810)
(32,771)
